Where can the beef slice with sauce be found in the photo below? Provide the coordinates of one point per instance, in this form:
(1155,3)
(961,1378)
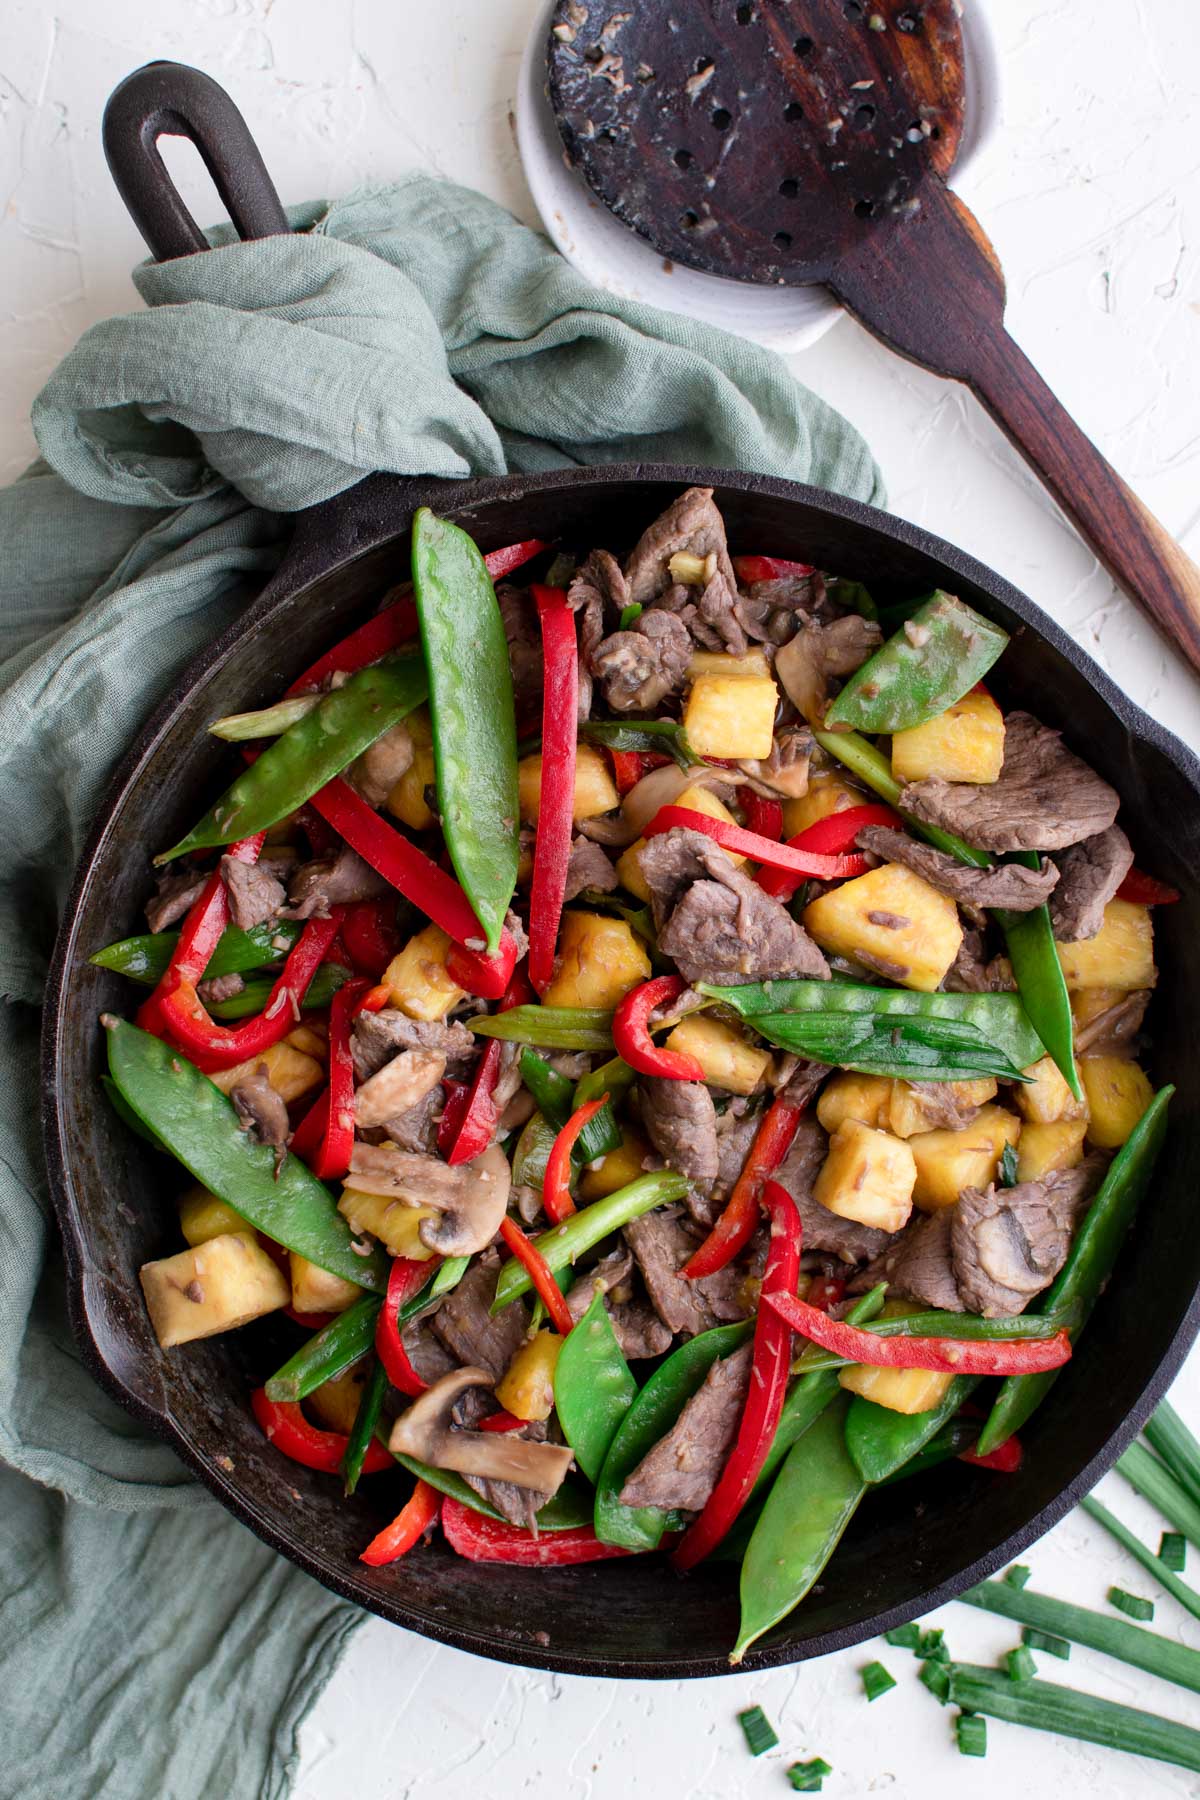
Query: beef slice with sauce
(1008,1244)
(1114,1032)
(639,1331)
(642,667)
(1008,885)
(680,1120)
(662,1242)
(588,869)
(693,523)
(466,1328)
(254,894)
(821,1229)
(917,1264)
(681,1470)
(378,1036)
(1089,875)
(329,881)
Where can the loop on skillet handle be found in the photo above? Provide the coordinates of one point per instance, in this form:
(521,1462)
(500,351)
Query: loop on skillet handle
(170,98)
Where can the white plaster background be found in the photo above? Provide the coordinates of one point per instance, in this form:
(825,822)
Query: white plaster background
(1092,197)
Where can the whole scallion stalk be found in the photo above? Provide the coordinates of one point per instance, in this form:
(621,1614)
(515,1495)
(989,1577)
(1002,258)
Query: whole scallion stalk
(1047,1707)
(1162,1572)
(1130,1644)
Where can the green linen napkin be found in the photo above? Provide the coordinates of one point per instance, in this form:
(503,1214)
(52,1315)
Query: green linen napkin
(152,1646)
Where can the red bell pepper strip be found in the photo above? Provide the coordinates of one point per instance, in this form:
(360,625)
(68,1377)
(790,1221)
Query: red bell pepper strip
(1006,1458)
(501,1421)
(285,1425)
(504,561)
(737,1224)
(406,1277)
(833,835)
(211,1046)
(370,936)
(768,1386)
(206,921)
(409,1526)
(627,769)
(631,1032)
(805,864)
(556,1183)
(394,626)
(556,804)
(948,1356)
(762,815)
(330,1159)
(540,1274)
(477,1127)
(1145,890)
(768,568)
(481,1539)
(825,1291)
(375,999)
(453,1108)
(309,1134)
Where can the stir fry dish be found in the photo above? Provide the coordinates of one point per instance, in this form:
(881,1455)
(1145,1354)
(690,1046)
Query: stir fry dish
(667,1038)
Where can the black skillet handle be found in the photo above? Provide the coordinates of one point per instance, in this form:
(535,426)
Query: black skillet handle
(169,98)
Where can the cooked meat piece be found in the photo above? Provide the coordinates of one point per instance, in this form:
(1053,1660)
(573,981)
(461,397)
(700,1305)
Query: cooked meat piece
(682,1468)
(790,594)
(692,522)
(429,1358)
(524,643)
(174,895)
(734,1137)
(519,1505)
(464,1325)
(599,583)
(415,1129)
(612,1271)
(332,881)
(918,1265)
(376,1037)
(662,1243)
(681,1122)
(221,987)
(508,1077)
(1007,1244)
(1009,885)
(944,1109)
(723,928)
(642,666)
(785,771)
(263,1112)
(636,1326)
(574,1064)
(1114,1031)
(588,868)
(802,1082)
(821,1229)
(1045,799)
(1089,875)
(254,894)
(972,973)
(818,654)
(401,1083)
(468,1201)
(379,768)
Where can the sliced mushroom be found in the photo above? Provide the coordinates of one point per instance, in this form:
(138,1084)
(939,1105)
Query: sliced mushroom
(662,787)
(470,1200)
(401,1083)
(427,1432)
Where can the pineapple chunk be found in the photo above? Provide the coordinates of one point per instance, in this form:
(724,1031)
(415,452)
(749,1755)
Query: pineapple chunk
(406,801)
(696,799)
(848,1096)
(949,1161)
(391,1221)
(335,1403)
(965,743)
(315,1290)
(1088,1003)
(909,1110)
(868,1176)
(892,921)
(1047,1097)
(203,1216)
(727,1058)
(215,1286)
(1120,956)
(291,1072)
(752,664)
(595,792)
(828,792)
(900,1390)
(617,1169)
(416,979)
(313,1040)
(1058,1145)
(526,1389)
(731,715)
(599,960)
(1118,1093)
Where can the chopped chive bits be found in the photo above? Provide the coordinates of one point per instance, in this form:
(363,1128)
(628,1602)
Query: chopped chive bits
(931,1646)
(1018,1575)
(972,1734)
(759,1733)
(1020,1664)
(1172,1551)
(904,1637)
(1045,1640)
(806,1778)
(1008,1167)
(1131,1604)
(936,1677)
(876,1680)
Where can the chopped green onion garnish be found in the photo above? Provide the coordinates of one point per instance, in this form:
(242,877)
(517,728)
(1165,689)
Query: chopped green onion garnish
(936,1677)
(1172,1551)
(806,1778)
(759,1732)
(972,1734)
(629,614)
(876,1680)
(1008,1167)
(1018,1575)
(932,1646)
(1133,1604)
(1045,1640)
(904,1637)
(1021,1666)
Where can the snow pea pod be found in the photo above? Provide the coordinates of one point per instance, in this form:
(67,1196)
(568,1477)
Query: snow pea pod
(310,753)
(563,1244)
(241,728)
(955,1436)
(471,708)
(1089,1264)
(201,1128)
(880,1441)
(593,1388)
(145,958)
(555,1098)
(800,1527)
(1029,938)
(935,658)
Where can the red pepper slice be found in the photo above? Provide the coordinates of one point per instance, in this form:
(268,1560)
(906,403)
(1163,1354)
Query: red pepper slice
(370,936)
(504,561)
(541,1275)
(762,815)
(406,1277)
(805,864)
(1006,1458)
(736,1225)
(826,1291)
(309,1134)
(631,1031)
(473,1119)
(201,933)
(627,769)
(1146,890)
(833,835)
(395,625)
(455,1106)
(501,1421)
(289,1431)
(481,1539)
(768,1386)
(409,1526)
(556,805)
(768,568)
(330,1159)
(211,1046)
(556,1183)
(948,1356)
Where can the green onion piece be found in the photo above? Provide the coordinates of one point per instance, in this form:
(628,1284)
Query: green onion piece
(760,1734)
(1154,1481)
(562,1244)
(1018,1575)
(554,1027)
(663,735)
(1169,1435)
(1172,1550)
(328,1352)
(447,1277)
(236,728)
(876,1680)
(366,1419)
(936,1677)
(971,1730)
(932,1646)
(1047,1641)
(904,1637)
(1020,1664)
(1132,1604)
(1047,1707)
(806,1778)
(1008,1167)
(1186,1596)
(1147,1650)
(629,614)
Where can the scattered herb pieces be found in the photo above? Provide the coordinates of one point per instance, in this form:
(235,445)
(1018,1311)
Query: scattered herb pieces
(972,1734)
(1131,1604)
(1172,1551)
(629,614)
(904,1637)
(760,1734)
(1045,1640)
(876,1680)
(1020,1664)
(1162,1572)
(1008,1178)
(932,1646)
(806,1778)
(1018,1575)
(936,1677)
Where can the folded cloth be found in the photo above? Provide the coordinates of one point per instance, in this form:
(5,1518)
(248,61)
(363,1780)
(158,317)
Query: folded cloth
(153,1646)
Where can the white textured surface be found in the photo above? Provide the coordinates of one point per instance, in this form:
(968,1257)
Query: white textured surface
(1092,196)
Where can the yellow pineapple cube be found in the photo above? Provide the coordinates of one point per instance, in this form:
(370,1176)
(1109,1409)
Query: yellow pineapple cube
(828,792)
(599,960)
(335,1403)
(900,1390)
(1047,1097)
(1120,956)
(909,1111)
(291,1072)
(214,1286)
(731,715)
(1058,1145)
(203,1216)
(406,801)
(312,1039)
(965,743)
(891,921)
(526,1389)
(1118,1093)
(751,664)
(849,1096)
(416,979)
(315,1290)
(695,799)
(395,1224)
(727,1058)
(595,791)
(868,1176)
(1088,1003)
(617,1169)
(949,1161)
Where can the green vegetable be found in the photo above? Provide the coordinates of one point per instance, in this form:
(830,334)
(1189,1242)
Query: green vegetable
(1020,1664)
(1047,1641)
(904,1637)
(1008,1166)
(553,1027)
(1018,1575)
(880,1441)
(807,1398)
(896,1045)
(564,1244)
(310,753)
(254,996)
(1166,1432)
(643,734)
(1029,938)
(933,1646)
(1131,1604)
(126,1114)
(807,1777)
(201,1128)
(936,1677)
(145,958)
(593,1388)
(629,614)
(448,1276)
(329,1352)
(1088,1265)
(760,1734)
(876,1680)
(854,596)
(556,1100)
(970,1327)
(935,658)
(1162,1572)
(569,1508)
(649,1418)
(615,1078)
(533,1152)
(806,1512)
(1043,1615)
(1172,1551)
(871,766)
(471,709)
(366,1421)
(270,721)
(1154,1480)
(1047,1707)
(955,1436)
(971,1731)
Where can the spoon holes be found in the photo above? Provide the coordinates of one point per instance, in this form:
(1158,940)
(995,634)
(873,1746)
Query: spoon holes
(783,239)
(684,159)
(864,116)
(803,46)
(864,209)
(689,220)
(793,112)
(789,188)
(721,118)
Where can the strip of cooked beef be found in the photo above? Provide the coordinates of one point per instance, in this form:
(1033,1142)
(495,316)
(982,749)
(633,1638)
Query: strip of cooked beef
(254,894)
(943,1108)
(263,1112)
(375,773)
(524,643)
(821,1229)
(682,1469)
(1114,1031)
(735,1134)
(588,868)
(377,1036)
(973,972)
(465,1326)
(332,881)
(639,1331)
(415,1129)
(610,1272)
(917,1264)
(801,1079)
(662,1242)
(692,522)
(716,924)
(598,585)
(220,987)
(681,1122)
(641,667)
(810,662)
(785,771)
(428,1357)
(1089,875)
(404,1081)
(174,895)
(1046,797)
(1008,885)
(1007,1244)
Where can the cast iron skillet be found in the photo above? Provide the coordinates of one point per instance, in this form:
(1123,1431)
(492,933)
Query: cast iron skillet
(911,1546)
